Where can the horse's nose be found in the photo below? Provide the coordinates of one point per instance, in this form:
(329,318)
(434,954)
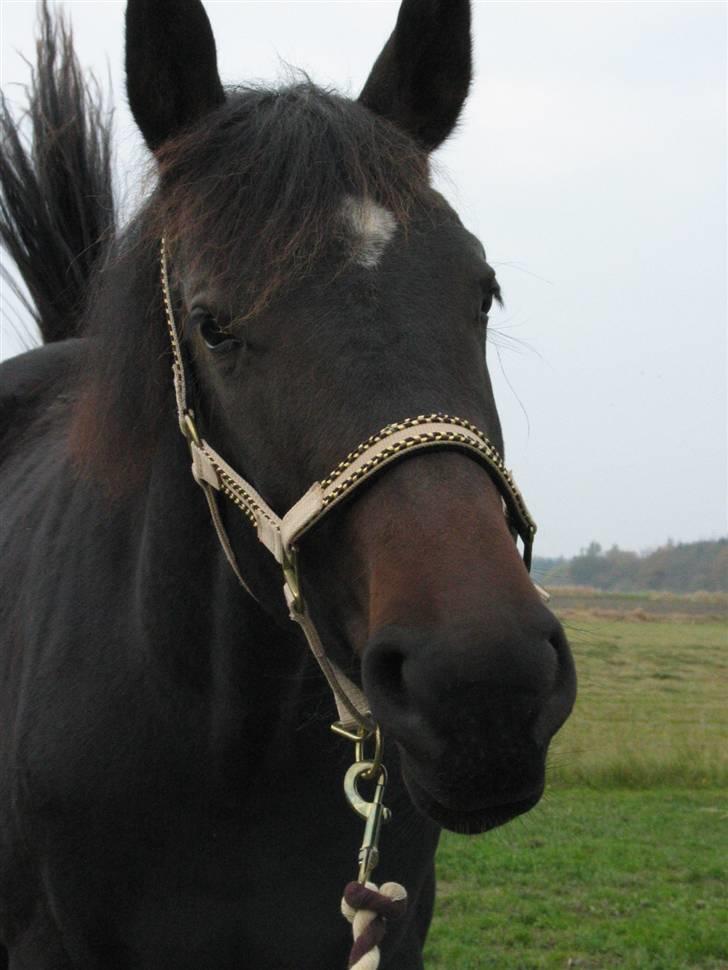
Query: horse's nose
(502,689)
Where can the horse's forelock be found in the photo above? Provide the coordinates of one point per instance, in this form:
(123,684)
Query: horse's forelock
(255,193)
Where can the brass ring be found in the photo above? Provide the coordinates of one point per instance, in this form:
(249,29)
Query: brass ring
(376,760)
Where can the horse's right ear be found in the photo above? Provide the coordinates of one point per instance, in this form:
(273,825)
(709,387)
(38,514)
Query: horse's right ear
(171,66)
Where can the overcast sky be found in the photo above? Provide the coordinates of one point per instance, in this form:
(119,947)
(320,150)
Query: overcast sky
(591,161)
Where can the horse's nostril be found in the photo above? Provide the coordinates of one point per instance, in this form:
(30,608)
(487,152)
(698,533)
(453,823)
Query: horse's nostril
(560,645)
(563,690)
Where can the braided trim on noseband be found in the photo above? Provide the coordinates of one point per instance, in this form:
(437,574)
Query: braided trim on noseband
(397,426)
(418,439)
(238,495)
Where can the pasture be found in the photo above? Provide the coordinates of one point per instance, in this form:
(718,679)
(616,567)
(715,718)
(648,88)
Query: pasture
(624,864)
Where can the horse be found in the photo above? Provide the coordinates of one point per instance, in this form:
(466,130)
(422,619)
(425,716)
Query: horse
(295,297)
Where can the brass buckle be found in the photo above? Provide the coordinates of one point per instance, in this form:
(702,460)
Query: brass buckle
(290,575)
(356,734)
(188,428)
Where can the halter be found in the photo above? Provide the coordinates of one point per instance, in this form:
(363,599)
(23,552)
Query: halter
(280,535)
(363,904)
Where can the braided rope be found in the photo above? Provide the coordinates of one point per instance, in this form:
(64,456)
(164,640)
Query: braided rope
(368,909)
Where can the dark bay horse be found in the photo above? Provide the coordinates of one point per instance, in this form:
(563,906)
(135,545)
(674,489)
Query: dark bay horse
(170,791)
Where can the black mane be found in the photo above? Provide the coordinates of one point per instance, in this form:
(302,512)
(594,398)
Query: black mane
(56,188)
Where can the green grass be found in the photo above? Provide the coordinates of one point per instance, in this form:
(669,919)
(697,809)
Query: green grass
(589,879)
(652,706)
(625,862)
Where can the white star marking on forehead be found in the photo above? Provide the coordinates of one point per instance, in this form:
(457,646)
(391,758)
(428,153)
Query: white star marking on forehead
(371,227)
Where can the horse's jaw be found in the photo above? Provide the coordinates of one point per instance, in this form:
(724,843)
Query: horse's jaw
(465,817)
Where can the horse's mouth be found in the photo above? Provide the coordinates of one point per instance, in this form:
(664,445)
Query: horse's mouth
(470,821)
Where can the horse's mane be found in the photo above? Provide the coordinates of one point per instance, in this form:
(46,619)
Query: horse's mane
(253,195)
(56,187)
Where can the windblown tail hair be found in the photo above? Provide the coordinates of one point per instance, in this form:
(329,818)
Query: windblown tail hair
(56,194)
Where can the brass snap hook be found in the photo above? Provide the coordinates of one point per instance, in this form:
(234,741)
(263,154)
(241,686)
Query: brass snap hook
(375,813)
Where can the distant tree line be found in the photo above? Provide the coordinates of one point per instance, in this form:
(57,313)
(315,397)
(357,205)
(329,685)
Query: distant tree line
(678,567)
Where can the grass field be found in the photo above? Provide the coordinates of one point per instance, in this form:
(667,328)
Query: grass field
(653,693)
(625,862)
(590,879)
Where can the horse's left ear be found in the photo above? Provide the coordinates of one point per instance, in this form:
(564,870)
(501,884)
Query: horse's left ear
(421,78)
(171,66)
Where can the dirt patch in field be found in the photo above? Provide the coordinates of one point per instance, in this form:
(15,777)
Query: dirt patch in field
(638,615)
(574,601)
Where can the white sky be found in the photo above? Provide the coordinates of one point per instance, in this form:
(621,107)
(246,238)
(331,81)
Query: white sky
(591,161)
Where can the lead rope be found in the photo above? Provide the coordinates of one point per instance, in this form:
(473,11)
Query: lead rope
(368,908)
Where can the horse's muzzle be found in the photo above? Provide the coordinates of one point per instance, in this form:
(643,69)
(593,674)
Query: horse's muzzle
(472,715)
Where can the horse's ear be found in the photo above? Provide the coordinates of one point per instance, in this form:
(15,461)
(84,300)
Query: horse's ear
(421,78)
(171,66)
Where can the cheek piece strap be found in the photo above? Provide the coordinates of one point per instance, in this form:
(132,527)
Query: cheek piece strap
(280,535)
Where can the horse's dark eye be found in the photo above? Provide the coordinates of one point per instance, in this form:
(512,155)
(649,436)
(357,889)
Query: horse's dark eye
(493,293)
(215,337)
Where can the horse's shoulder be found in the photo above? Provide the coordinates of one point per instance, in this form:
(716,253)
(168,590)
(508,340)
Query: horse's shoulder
(31,382)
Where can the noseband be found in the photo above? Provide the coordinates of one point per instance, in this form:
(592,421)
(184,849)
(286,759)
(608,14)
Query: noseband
(280,535)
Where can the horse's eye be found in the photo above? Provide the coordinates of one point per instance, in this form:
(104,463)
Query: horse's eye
(487,304)
(216,338)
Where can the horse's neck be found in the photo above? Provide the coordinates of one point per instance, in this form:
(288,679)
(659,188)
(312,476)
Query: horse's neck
(201,628)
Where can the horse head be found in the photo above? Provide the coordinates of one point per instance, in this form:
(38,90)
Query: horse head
(325,290)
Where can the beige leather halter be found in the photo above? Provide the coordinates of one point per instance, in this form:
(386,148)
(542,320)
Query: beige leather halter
(280,535)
